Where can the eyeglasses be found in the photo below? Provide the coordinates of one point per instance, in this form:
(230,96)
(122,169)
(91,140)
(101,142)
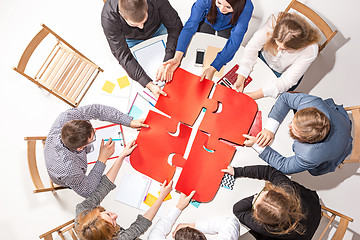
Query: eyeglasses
(94,137)
(257,196)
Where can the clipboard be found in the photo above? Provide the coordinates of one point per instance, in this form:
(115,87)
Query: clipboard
(113,131)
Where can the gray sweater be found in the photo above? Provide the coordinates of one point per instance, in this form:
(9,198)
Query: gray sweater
(105,186)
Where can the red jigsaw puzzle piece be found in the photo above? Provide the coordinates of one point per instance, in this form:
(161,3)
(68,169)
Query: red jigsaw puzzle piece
(237,112)
(155,145)
(202,169)
(186,96)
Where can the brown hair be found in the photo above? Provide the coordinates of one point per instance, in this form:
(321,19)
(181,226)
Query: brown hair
(76,133)
(311,124)
(293,31)
(237,6)
(134,10)
(189,233)
(280,210)
(92,226)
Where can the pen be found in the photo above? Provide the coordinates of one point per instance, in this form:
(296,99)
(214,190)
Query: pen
(149,95)
(148,100)
(114,139)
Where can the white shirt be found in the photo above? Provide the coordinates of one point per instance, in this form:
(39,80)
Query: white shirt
(292,64)
(219,228)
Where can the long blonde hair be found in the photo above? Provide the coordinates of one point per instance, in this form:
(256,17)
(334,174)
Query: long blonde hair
(280,210)
(293,31)
(91,226)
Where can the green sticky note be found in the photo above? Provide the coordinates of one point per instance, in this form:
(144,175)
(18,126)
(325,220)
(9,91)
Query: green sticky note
(195,204)
(135,112)
(108,87)
(123,82)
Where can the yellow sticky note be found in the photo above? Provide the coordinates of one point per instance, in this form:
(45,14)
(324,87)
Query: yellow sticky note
(108,87)
(123,81)
(150,199)
(168,197)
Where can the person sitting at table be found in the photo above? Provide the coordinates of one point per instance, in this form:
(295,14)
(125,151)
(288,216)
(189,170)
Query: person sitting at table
(283,209)
(321,130)
(94,222)
(224,227)
(69,141)
(129,22)
(288,44)
(228,19)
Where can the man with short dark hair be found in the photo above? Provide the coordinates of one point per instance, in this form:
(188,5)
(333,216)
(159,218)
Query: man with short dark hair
(129,22)
(321,130)
(68,142)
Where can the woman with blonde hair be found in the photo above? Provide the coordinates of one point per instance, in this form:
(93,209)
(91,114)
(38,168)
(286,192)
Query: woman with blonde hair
(282,210)
(94,222)
(288,44)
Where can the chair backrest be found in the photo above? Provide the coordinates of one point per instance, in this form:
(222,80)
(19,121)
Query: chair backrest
(342,226)
(315,18)
(33,168)
(68,227)
(355,153)
(65,72)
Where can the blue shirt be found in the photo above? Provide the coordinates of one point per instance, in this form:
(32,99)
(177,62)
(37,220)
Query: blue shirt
(318,158)
(198,14)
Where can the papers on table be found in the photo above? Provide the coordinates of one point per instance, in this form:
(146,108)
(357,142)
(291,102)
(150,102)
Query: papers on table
(151,57)
(133,190)
(141,105)
(139,191)
(113,131)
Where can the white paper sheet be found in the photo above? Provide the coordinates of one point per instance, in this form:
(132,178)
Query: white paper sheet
(151,57)
(109,131)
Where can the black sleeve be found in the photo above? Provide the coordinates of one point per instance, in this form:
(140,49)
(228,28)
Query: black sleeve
(243,211)
(170,18)
(119,48)
(262,172)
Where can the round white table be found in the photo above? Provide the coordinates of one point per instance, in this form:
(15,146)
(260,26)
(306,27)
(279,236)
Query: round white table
(224,200)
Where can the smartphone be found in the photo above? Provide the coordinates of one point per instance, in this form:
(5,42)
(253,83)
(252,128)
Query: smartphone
(199,61)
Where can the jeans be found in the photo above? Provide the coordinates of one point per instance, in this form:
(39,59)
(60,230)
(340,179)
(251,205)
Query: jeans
(160,31)
(206,28)
(277,74)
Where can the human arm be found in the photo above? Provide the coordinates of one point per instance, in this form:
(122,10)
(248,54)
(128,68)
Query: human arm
(208,73)
(226,228)
(235,39)
(164,225)
(170,66)
(293,73)
(288,101)
(198,12)
(112,173)
(138,124)
(95,198)
(112,24)
(170,18)
(164,191)
(103,113)
(155,89)
(255,44)
(287,165)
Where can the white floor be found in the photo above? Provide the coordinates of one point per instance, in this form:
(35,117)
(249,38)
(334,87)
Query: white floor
(29,111)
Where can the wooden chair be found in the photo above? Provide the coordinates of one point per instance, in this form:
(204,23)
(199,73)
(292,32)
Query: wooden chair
(65,72)
(315,18)
(342,226)
(34,172)
(61,230)
(355,153)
